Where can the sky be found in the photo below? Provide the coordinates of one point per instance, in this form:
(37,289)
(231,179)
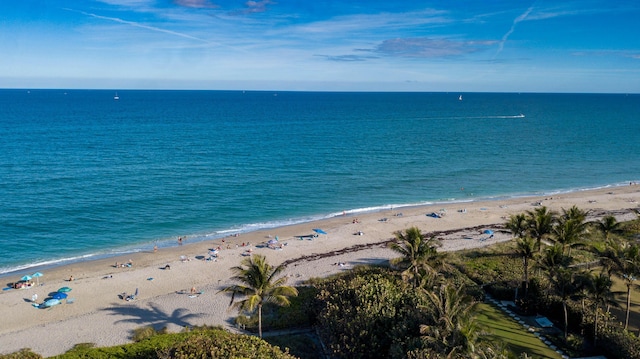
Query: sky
(350,45)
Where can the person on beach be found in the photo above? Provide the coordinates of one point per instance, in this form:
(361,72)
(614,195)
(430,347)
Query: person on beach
(179,241)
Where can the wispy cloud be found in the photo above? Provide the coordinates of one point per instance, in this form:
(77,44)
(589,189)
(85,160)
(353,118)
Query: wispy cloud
(258,6)
(253,7)
(348,58)
(198,4)
(429,47)
(620,53)
(518,19)
(378,23)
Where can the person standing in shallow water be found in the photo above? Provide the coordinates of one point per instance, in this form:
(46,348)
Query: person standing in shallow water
(179,241)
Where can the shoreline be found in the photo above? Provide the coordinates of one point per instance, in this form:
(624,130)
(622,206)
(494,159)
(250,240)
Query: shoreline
(25,269)
(98,316)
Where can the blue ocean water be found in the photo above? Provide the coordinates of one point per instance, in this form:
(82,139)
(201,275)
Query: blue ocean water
(83,175)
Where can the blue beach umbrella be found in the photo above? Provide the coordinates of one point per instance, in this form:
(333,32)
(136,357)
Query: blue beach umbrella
(59,295)
(37,276)
(320,231)
(64,290)
(26,278)
(488,231)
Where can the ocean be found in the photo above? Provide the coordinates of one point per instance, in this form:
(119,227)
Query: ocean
(85,176)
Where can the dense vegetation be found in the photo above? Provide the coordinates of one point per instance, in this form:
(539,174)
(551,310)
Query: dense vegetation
(196,343)
(564,267)
(426,304)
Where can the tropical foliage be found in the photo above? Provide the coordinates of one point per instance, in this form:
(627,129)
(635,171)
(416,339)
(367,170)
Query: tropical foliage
(202,343)
(419,257)
(259,285)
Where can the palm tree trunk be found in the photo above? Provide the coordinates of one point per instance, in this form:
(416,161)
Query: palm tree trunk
(595,327)
(260,320)
(526,276)
(626,321)
(566,320)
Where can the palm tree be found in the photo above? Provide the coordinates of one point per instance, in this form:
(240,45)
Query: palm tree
(623,259)
(563,282)
(553,259)
(540,222)
(569,232)
(599,289)
(417,253)
(525,248)
(608,226)
(517,224)
(454,331)
(259,286)
(575,213)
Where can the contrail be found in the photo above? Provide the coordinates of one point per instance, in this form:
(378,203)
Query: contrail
(513,27)
(142,26)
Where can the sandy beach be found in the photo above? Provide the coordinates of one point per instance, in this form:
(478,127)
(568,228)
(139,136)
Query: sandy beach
(98,315)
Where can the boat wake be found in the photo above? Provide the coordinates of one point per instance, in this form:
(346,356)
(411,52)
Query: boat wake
(476,117)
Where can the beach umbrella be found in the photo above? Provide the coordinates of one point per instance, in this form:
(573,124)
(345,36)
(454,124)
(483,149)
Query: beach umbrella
(26,278)
(488,231)
(64,290)
(319,231)
(59,295)
(51,302)
(37,276)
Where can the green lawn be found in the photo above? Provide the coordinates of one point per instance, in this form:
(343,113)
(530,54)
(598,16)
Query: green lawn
(506,330)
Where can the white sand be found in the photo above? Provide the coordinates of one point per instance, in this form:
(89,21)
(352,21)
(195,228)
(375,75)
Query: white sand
(99,316)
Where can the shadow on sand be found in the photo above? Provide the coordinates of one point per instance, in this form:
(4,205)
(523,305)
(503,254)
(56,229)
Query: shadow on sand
(152,315)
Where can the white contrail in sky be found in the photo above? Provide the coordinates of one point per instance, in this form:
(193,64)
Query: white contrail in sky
(142,26)
(157,29)
(513,27)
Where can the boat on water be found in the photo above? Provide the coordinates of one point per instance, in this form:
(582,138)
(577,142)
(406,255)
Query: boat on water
(116,97)
(520,115)
(460,98)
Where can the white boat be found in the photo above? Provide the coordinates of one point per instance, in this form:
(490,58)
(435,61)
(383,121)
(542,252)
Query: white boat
(520,115)
(460,98)
(116,97)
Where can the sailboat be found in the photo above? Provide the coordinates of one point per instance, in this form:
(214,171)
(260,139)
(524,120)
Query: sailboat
(116,97)
(460,98)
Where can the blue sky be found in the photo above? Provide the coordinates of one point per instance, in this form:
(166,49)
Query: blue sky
(352,45)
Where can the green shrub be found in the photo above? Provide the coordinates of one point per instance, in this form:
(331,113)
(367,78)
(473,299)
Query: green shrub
(303,345)
(616,343)
(367,312)
(199,342)
(24,353)
(146,332)
(203,345)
